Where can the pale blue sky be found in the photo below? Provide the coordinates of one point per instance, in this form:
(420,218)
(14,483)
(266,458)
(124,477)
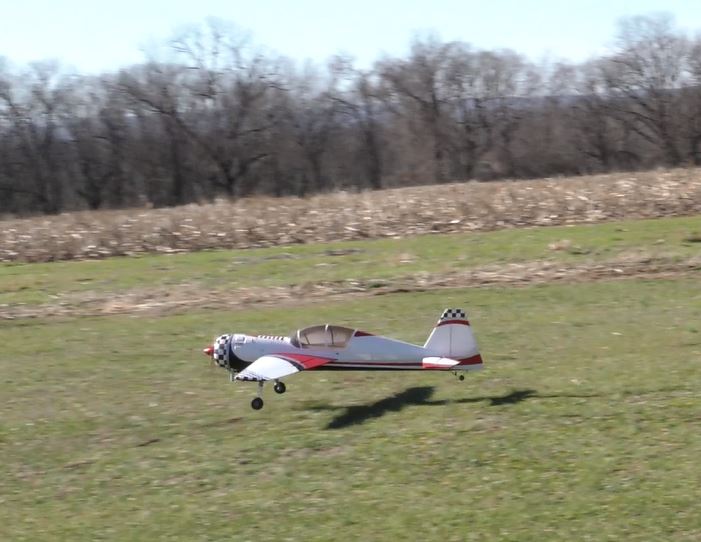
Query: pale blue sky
(95,35)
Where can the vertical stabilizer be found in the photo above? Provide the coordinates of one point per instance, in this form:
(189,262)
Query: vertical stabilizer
(453,338)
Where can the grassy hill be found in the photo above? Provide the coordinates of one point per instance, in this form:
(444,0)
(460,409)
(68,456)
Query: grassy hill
(584,424)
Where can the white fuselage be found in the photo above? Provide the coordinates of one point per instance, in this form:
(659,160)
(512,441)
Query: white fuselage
(361,352)
(450,346)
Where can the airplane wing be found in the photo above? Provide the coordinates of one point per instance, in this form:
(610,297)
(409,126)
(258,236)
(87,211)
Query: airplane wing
(276,366)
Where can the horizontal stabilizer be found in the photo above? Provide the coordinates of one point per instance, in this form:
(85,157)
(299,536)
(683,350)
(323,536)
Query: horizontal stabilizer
(433,362)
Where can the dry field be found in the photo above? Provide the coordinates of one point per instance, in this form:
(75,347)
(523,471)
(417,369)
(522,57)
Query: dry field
(163,300)
(264,221)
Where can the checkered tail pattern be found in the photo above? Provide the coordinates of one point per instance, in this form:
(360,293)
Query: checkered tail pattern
(452,314)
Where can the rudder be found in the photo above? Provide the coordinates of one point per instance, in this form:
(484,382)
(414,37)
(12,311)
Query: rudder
(453,338)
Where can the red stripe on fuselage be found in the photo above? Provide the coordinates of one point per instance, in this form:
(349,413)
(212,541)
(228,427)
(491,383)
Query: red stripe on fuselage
(376,362)
(332,367)
(308,362)
(458,322)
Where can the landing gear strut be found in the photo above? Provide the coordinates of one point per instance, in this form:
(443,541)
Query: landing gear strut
(279,387)
(257,402)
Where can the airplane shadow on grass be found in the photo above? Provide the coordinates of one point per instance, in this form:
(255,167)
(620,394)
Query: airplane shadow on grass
(357,414)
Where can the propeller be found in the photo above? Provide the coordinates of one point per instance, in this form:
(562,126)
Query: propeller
(209,352)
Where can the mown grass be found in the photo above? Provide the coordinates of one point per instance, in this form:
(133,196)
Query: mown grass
(585,425)
(372,259)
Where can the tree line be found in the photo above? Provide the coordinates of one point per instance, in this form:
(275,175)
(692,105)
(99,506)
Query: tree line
(221,118)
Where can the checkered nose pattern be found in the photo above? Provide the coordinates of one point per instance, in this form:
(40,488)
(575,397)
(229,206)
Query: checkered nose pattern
(453,314)
(221,350)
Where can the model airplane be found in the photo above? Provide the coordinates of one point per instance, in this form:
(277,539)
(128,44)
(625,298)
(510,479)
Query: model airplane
(451,346)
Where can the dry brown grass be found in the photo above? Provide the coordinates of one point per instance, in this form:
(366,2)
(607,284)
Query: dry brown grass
(167,300)
(264,221)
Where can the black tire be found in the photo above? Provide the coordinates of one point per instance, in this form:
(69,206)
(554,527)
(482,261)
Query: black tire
(257,403)
(280,387)
(461,377)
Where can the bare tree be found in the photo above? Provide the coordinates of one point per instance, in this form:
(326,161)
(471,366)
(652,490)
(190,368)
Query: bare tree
(310,115)
(155,90)
(95,120)
(606,141)
(31,104)
(418,83)
(645,75)
(490,94)
(228,86)
(690,99)
(360,100)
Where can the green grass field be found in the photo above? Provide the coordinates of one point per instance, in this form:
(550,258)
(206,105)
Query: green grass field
(584,425)
(374,259)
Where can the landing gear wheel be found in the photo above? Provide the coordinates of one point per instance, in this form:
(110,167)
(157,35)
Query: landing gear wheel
(461,377)
(257,403)
(280,387)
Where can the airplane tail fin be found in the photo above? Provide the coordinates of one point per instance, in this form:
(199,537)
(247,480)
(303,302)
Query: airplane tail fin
(453,338)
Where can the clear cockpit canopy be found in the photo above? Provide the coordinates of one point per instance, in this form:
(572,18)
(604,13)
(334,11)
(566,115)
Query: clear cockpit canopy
(323,336)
